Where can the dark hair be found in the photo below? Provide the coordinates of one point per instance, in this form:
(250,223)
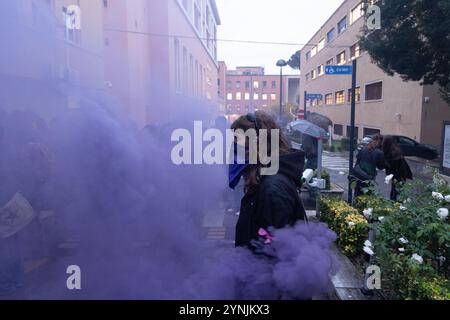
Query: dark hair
(258,121)
(391,148)
(376,143)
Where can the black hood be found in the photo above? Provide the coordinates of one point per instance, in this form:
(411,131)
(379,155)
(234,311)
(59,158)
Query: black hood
(292,165)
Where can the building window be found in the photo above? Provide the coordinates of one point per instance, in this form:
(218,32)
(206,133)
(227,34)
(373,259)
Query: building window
(357,95)
(264,84)
(256,97)
(307,77)
(177,66)
(371,132)
(355,51)
(329,99)
(247,84)
(185,69)
(72,23)
(321,45)
(340,58)
(247,96)
(197,18)
(197,81)
(321,70)
(339,129)
(238,96)
(229,96)
(229,84)
(314,103)
(255,85)
(330,62)
(238,84)
(273,97)
(308,55)
(356,13)
(342,25)
(313,74)
(313,51)
(191,74)
(264,96)
(374,91)
(274,84)
(105,3)
(330,36)
(340,97)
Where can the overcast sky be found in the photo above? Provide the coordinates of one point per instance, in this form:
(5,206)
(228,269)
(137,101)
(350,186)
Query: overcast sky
(291,21)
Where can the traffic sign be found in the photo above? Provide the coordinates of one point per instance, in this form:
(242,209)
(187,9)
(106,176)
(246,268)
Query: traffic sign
(314,96)
(338,70)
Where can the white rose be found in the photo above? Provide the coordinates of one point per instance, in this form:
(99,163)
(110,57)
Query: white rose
(368,213)
(417,258)
(437,196)
(447,198)
(401,249)
(443,213)
(403,240)
(388,179)
(368,244)
(352,224)
(403,208)
(381,219)
(369,251)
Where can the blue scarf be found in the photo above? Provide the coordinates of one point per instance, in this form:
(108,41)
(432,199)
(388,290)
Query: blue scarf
(236,170)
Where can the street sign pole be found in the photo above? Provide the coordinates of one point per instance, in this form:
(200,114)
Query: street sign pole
(306,100)
(352,131)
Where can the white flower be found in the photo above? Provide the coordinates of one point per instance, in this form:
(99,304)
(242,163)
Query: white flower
(369,251)
(403,240)
(380,219)
(403,208)
(407,201)
(447,198)
(352,224)
(368,244)
(438,196)
(388,179)
(443,213)
(417,258)
(368,213)
(401,249)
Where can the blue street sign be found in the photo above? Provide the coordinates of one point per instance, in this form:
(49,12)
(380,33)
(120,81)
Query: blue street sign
(314,96)
(338,70)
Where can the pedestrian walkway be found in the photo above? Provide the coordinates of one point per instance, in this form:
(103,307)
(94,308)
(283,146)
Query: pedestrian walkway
(335,163)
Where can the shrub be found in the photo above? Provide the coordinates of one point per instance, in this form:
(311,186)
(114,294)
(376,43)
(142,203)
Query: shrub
(349,225)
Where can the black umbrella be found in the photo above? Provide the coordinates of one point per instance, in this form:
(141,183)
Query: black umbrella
(308,128)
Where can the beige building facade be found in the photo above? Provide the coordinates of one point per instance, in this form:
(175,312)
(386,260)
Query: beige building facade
(384,104)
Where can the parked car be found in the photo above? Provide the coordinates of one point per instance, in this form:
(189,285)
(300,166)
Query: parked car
(410,147)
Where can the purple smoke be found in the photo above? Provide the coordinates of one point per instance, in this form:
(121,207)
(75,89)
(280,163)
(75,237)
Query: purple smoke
(135,219)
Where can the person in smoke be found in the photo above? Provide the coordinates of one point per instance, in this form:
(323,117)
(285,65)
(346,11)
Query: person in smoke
(310,146)
(270,201)
(395,164)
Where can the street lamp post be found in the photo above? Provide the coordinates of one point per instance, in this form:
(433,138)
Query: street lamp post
(281,63)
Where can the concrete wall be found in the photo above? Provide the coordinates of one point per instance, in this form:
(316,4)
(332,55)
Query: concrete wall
(435,111)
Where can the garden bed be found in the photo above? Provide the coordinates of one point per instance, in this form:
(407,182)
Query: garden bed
(412,238)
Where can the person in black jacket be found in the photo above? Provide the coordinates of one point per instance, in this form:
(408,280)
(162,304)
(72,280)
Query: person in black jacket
(270,201)
(395,164)
(368,160)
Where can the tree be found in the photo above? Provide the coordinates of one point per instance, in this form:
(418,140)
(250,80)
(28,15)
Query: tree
(414,41)
(294,61)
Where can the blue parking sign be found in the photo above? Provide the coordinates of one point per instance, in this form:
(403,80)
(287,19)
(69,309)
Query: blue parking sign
(338,70)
